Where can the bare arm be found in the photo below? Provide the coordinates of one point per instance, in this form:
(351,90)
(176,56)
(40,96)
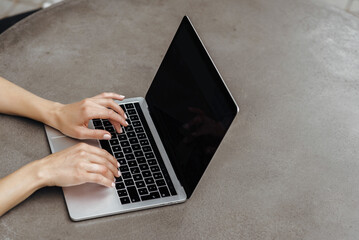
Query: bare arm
(76,165)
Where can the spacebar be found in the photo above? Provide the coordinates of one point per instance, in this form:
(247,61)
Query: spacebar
(105,145)
(133,194)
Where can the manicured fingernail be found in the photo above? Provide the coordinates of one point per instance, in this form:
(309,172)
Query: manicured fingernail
(107,136)
(118,165)
(122,96)
(113,185)
(126,122)
(125,115)
(120,130)
(119,173)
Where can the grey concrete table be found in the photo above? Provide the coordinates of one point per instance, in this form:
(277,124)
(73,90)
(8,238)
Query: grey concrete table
(289,166)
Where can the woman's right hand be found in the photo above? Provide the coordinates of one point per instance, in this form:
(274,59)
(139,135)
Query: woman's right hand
(77,165)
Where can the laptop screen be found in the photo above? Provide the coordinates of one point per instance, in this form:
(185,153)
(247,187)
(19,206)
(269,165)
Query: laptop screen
(190,106)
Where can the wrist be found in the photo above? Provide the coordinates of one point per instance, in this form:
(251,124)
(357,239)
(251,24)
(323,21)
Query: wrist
(53,114)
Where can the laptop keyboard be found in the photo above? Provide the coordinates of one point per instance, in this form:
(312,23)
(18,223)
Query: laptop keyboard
(143,173)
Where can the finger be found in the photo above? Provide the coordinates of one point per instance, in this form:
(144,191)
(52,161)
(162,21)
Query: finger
(99,169)
(117,126)
(109,103)
(103,154)
(109,114)
(99,179)
(110,95)
(86,133)
(104,162)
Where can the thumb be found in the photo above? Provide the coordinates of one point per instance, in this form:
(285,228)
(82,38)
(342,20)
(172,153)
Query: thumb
(86,133)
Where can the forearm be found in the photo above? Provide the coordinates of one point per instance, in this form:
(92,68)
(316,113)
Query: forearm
(15,100)
(19,185)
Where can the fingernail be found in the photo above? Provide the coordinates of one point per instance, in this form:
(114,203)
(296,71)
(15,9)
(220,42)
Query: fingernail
(107,136)
(119,173)
(120,130)
(122,96)
(118,165)
(125,115)
(126,122)
(113,185)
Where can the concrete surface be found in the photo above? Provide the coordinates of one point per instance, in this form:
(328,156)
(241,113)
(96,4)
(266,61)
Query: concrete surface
(288,168)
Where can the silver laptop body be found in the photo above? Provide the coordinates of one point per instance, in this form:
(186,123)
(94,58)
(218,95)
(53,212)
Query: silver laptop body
(185,162)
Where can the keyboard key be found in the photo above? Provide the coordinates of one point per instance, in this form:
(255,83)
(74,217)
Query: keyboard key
(138,154)
(139,130)
(114,142)
(122,137)
(142,191)
(135,170)
(110,129)
(164,192)
(155,168)
(106,123)
(146,148)
(141,160)
(124,168)
(141,136)
(129,128)
(125,200)
(132,192)
(129,182)
(152,188)
(126,175)
(133,140)
(131,111)
(120,185)
(149,181)
(119,155)
(152,162)
(131,134)
(119,179)
(140,184)
(152,195)
(149,155)
(136,147)
(113,135)
(125,144)
(134,118)
(97,123)
(160,182)
(122,193)
(144,142)
(136,124)
(129,106)
(157,175)
(121,161)
(143,167)
(127,150)
(146,174)
(129,156)
(116,148)
(132,163)
(137,177)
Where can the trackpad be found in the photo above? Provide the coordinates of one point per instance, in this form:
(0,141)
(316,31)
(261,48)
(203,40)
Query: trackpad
(61,143)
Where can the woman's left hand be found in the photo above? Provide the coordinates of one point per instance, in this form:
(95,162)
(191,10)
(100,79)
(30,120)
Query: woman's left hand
(72,119)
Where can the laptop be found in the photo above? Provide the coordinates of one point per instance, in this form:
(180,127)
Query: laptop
(172,136)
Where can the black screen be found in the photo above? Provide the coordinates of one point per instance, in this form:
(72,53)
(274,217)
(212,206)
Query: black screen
(190,106)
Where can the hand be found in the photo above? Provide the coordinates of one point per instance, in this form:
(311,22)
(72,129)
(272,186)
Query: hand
(72,119)
(77,165)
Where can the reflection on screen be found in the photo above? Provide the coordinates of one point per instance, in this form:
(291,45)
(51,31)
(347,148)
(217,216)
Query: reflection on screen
(190,106)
